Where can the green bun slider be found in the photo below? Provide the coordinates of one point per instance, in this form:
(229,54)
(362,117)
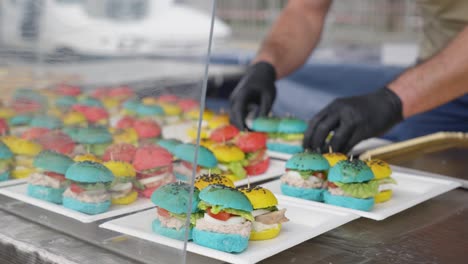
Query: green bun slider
(93,139)
(6,161)
(227,221)
(305,176)
(289,136)
(351,184)
(206,161)
(89,188)
(173,201)
(48,182)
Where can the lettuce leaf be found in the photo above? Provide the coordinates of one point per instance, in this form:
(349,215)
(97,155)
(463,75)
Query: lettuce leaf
(291,137)
(387,180)
(306,174)
(193,217)
(237,168)
(218,208)
(93,186)
(360,190)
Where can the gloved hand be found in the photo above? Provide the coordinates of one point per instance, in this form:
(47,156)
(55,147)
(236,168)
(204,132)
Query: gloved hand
(257,87)
(353,119)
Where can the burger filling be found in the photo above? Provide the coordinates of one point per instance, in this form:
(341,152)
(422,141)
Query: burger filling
(285,138)
(88,192)
(224,220)
(235,168)
(176,221)
(121,187)
(154,177)
(386,184)
(361,190)
(186,168)
(257,156)
(48,179)
(23,161)
(268,218)
(304,179)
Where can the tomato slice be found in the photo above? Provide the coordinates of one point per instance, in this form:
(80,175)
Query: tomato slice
(189,165)
(57,176)
(163,212)
(223,216)
(76,189)
(332,185)
(320,174)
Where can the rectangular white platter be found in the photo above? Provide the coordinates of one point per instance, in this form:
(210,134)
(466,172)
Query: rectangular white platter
(12,182)
(305,223)
(19,192)
(275,169)
(360,147)
(410,191)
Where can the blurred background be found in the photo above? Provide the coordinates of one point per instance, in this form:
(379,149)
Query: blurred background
(112,42)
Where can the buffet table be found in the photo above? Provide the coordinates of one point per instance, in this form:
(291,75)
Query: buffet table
(432,232)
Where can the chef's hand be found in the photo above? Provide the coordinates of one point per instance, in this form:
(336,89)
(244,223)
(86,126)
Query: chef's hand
(257,87)
(353,119)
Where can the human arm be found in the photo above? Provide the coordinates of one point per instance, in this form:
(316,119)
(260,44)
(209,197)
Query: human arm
(418,89)
(287,46)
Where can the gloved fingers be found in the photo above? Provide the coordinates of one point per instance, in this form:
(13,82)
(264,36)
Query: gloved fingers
(341,136)
(307,141)
(238,112)
(266,101)
(321,130)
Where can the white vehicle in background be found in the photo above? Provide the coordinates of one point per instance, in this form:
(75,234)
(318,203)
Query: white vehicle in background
(107,27)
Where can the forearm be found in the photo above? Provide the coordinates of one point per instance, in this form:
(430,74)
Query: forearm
(294,35)
(436,81)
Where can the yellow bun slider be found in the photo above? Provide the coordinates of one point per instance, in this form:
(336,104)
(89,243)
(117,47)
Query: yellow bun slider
(21,146)
(265,234)
(87,157)
(171,109)
(6,113)
(262,198)
(120,168)
(383,196)
(218,121)
(130,198)
(22,173)
(128,135)
(205,180)
(110,103)
(334,157)
(192,133)
(380,168)
(207,143)
(74,118)
(227,153)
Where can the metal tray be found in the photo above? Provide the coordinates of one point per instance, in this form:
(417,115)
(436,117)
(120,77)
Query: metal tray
(443,153)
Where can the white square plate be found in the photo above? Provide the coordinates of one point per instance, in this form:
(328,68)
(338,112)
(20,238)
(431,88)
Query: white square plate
(410,191)
(19,192)
(305,223)
(275,170)
(360,147)
(12,182)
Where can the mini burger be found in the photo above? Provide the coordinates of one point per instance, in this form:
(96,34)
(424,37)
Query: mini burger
(289,136)
(206,162)
(89,188)
(253,144)
(152,112)
(120,152)
(122,189)
(94,140)
(57,141)
(25,151)
(267,218)
(6,162)
(305,176)
(382,173)
(48,181)
(173,201)
(224,134)
(231,161)
(205,180)
(227,221)
(351,185)
(147,130)
(154,168)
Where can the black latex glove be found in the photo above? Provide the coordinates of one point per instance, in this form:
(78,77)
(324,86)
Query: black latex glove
(256,88)
(353,119)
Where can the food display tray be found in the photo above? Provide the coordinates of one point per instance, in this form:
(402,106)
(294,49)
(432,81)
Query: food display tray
(19,192)
(306,222)
(411,190)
